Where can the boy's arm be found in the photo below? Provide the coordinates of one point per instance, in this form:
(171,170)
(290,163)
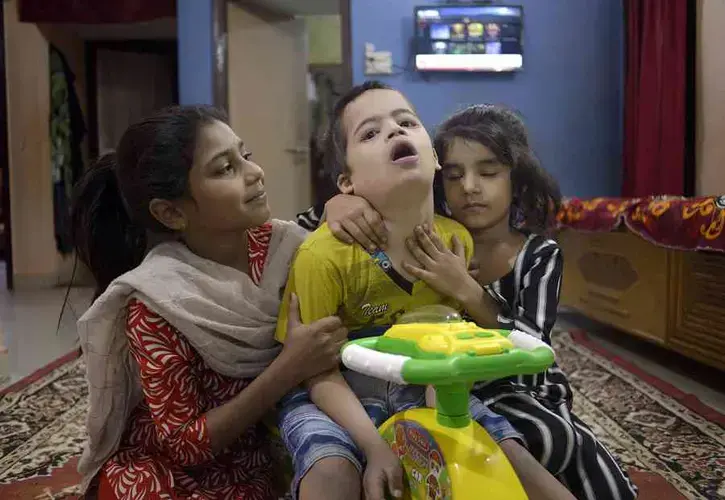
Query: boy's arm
(318,285)
(330,392)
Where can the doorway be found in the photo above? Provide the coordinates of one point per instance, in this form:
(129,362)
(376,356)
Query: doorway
(127,81)
(268,101)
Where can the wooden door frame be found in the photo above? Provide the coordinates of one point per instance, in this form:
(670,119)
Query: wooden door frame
(690,166)
(166,47)
(220,55)
(4,159)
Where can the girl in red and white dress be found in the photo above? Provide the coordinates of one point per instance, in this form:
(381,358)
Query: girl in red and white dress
(182,363)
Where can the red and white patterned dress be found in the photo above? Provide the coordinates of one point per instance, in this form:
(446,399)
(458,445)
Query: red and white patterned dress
(166,452)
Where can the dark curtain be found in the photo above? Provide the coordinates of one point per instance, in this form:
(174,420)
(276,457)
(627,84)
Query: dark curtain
(94,11)
(656,97)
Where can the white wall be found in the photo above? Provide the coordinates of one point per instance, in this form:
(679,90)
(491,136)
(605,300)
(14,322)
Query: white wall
(710,95)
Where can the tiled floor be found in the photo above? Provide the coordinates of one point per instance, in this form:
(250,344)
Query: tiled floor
(29,329)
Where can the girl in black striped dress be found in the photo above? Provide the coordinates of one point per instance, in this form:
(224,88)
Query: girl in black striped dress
(492,183)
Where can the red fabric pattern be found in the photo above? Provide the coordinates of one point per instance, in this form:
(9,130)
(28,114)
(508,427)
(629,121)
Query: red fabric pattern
(680,223)
(655,97)
(258,244)
(597,214)
(672,222)
(166,451)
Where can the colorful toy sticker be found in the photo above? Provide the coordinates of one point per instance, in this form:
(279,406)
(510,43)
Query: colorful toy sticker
(425,468)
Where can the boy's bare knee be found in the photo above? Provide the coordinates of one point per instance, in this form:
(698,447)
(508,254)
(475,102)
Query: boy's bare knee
(331,478)
(333,468)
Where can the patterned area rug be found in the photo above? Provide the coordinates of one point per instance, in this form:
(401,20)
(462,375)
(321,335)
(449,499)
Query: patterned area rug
(655,430)
(42,430)
(673,446)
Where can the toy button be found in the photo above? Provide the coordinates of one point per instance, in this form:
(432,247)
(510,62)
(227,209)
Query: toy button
(435,343)
(483,334)
(487,348)
(464,336)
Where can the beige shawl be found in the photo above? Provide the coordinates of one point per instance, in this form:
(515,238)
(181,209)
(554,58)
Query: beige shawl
(227,318)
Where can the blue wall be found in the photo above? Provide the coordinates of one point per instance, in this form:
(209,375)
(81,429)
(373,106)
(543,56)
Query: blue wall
(570,90)
(194,27)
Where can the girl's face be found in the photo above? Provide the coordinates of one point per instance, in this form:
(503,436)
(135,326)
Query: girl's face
(477,186)
(227,188)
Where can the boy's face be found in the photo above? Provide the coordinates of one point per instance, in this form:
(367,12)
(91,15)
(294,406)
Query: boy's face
(390,156)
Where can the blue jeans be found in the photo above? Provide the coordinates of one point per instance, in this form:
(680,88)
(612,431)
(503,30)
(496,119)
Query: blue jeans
(310,435)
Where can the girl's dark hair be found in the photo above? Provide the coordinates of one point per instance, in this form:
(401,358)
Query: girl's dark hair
(110,216)
(335,140)
(536,197)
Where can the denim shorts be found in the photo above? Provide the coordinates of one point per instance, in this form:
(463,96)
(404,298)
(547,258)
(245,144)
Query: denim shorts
(310,435)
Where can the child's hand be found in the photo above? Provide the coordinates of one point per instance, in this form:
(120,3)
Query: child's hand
(383,471)
(445,271)
(351,219)
(314,348)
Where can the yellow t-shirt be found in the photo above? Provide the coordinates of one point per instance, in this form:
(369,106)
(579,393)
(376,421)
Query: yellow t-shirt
(333,278)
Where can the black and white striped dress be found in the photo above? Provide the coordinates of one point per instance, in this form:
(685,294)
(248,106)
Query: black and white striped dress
(529,297)
(310,218)
(539,406)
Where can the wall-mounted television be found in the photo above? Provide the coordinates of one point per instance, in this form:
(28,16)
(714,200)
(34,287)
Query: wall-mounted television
(471,37)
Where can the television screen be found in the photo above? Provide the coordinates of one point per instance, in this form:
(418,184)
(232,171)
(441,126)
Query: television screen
(468,38)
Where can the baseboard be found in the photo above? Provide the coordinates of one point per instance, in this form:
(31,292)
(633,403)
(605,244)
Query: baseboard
(23,282)
(4,366)
(69,272)
(73,272)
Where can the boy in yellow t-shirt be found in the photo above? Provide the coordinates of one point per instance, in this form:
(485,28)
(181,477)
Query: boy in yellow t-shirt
(382,153)
(333,278)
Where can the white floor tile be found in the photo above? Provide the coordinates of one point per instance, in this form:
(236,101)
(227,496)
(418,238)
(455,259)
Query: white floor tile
(30,327)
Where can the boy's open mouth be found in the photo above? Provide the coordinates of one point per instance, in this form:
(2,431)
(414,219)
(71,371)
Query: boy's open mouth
(404,152)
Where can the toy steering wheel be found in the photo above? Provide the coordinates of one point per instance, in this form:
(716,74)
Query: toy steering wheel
(444,352)
(529,356)
(434,346)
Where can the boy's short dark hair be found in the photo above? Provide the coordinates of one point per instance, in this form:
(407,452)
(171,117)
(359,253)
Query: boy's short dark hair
(335,142)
